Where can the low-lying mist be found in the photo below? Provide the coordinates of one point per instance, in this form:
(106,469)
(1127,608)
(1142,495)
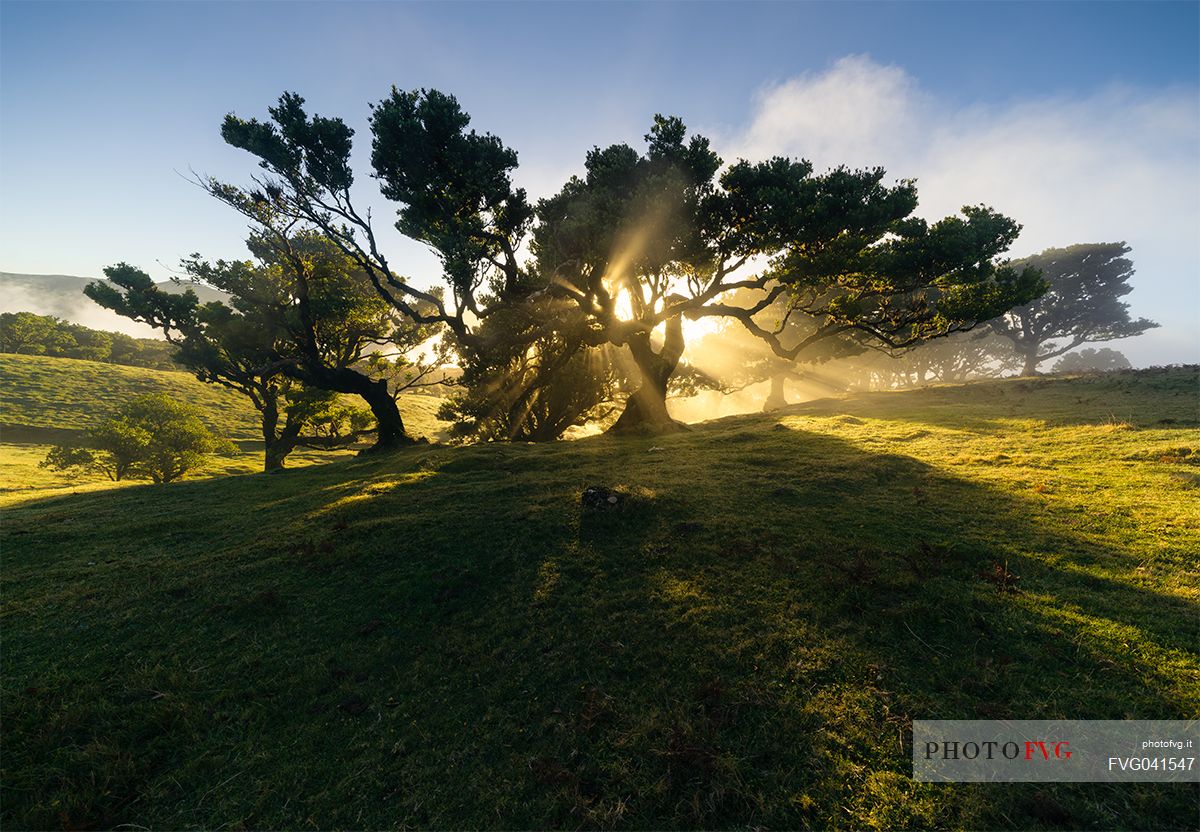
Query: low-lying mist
(62,296)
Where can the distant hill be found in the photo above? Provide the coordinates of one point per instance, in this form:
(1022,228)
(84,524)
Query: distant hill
(62,296)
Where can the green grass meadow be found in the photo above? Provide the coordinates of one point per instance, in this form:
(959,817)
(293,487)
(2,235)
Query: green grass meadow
(65,394)
(44,401)
(444,637)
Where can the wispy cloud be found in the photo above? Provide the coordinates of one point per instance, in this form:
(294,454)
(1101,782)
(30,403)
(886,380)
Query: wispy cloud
(1118,164)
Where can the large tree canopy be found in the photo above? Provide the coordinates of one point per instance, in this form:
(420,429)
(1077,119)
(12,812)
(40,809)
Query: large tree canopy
(453,187)
(301,323)
(1083,303)
(640,241)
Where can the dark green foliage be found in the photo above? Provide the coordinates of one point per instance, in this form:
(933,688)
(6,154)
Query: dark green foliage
(659,232)
(151,437)
(1089,360)
(112,464)
(1083,303)
(453,185)
(178,440)
(25,333)
(534,379)
(301,319)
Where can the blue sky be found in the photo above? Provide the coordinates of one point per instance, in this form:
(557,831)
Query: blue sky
(103,105)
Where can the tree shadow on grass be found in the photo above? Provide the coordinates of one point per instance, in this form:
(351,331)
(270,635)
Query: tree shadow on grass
(742,640)
(793,657)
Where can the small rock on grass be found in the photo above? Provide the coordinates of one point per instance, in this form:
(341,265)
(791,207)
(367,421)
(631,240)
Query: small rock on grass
(597,496)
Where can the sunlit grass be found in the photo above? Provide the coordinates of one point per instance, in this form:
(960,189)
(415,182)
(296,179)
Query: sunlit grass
(444,638)
(49,399)
(23,479)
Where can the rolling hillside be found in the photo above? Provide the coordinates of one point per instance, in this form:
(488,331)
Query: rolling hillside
(44,401)
(447,638)
(55,397)
(51,395)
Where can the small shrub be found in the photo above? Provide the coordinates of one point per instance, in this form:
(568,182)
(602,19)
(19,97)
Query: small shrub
(151,437)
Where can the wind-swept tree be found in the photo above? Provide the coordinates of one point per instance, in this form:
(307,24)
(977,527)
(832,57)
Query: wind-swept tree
(244,351)
(1082,304)
(638,243)
(220,344)
(327,317)
(299,324)
(453,187)
(455,196)
(641,241)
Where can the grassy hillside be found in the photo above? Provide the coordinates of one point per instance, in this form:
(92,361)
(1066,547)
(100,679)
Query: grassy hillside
(445,638)
(58,394)
(51,400)
(55,394)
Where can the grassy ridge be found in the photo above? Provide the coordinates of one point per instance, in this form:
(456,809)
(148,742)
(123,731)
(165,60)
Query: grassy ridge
(44,401)
(70,394)
(445,638)
(57,394)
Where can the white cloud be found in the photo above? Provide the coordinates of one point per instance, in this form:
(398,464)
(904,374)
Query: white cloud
(25,298)
(1117,164)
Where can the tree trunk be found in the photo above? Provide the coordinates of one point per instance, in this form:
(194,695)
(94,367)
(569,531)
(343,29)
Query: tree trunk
(278,447)
(273,452)
(375,393)
(275,455)
(1031,364)
(387,416)
(277,444)
(646,410)
(777,398)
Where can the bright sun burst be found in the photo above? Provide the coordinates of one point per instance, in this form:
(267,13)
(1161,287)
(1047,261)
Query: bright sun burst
(624,306)
(692,329)
(695,330)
